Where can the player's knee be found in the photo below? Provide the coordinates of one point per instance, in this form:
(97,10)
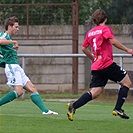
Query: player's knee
(127,84)
(130,84)
(96,92)
(20,92)
(95,95)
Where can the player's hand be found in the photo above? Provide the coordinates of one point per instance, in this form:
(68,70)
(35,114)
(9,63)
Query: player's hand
(15,45)
(130,51)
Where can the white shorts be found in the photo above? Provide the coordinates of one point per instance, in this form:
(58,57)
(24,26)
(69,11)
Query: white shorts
(15,75)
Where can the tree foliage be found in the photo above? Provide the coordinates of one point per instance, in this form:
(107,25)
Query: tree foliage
(118,11)
(121,11)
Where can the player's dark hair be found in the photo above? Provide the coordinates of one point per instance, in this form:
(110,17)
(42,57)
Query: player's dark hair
(10,21)
(99,16)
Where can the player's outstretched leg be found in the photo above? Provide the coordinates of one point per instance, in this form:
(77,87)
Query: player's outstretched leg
(71,111)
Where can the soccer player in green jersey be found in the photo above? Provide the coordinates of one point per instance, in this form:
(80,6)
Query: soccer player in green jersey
(17,79)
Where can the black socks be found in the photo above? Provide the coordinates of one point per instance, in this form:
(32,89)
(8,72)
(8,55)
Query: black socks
(86,97)
(122,95)
(82,100)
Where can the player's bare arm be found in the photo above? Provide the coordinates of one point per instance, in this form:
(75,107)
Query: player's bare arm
(118,45)
(88,53)
(6,42)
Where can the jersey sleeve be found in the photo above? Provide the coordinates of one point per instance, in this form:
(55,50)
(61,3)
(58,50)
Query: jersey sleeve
(85,42)
(3,36)
(107,33)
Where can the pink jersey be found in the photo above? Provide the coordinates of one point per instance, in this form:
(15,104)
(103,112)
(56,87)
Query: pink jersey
(98,39)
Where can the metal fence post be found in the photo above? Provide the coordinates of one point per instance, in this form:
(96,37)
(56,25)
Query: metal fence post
(75,47)
(121,62)
(23,66)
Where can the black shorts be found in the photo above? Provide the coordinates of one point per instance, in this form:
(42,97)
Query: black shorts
(112,72)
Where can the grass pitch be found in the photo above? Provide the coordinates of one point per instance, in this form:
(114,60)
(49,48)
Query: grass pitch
(95,117)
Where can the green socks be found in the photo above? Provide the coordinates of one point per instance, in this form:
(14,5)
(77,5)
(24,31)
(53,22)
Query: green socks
(37,100)
(35,97)
(10,96)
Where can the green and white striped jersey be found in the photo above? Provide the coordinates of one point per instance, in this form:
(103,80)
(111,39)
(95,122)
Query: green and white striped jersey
(8,55)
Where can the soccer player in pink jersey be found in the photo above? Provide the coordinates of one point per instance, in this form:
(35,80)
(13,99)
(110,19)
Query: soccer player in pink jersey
(100,39)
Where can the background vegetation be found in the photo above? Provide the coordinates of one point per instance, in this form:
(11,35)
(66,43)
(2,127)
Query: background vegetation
(118,11)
